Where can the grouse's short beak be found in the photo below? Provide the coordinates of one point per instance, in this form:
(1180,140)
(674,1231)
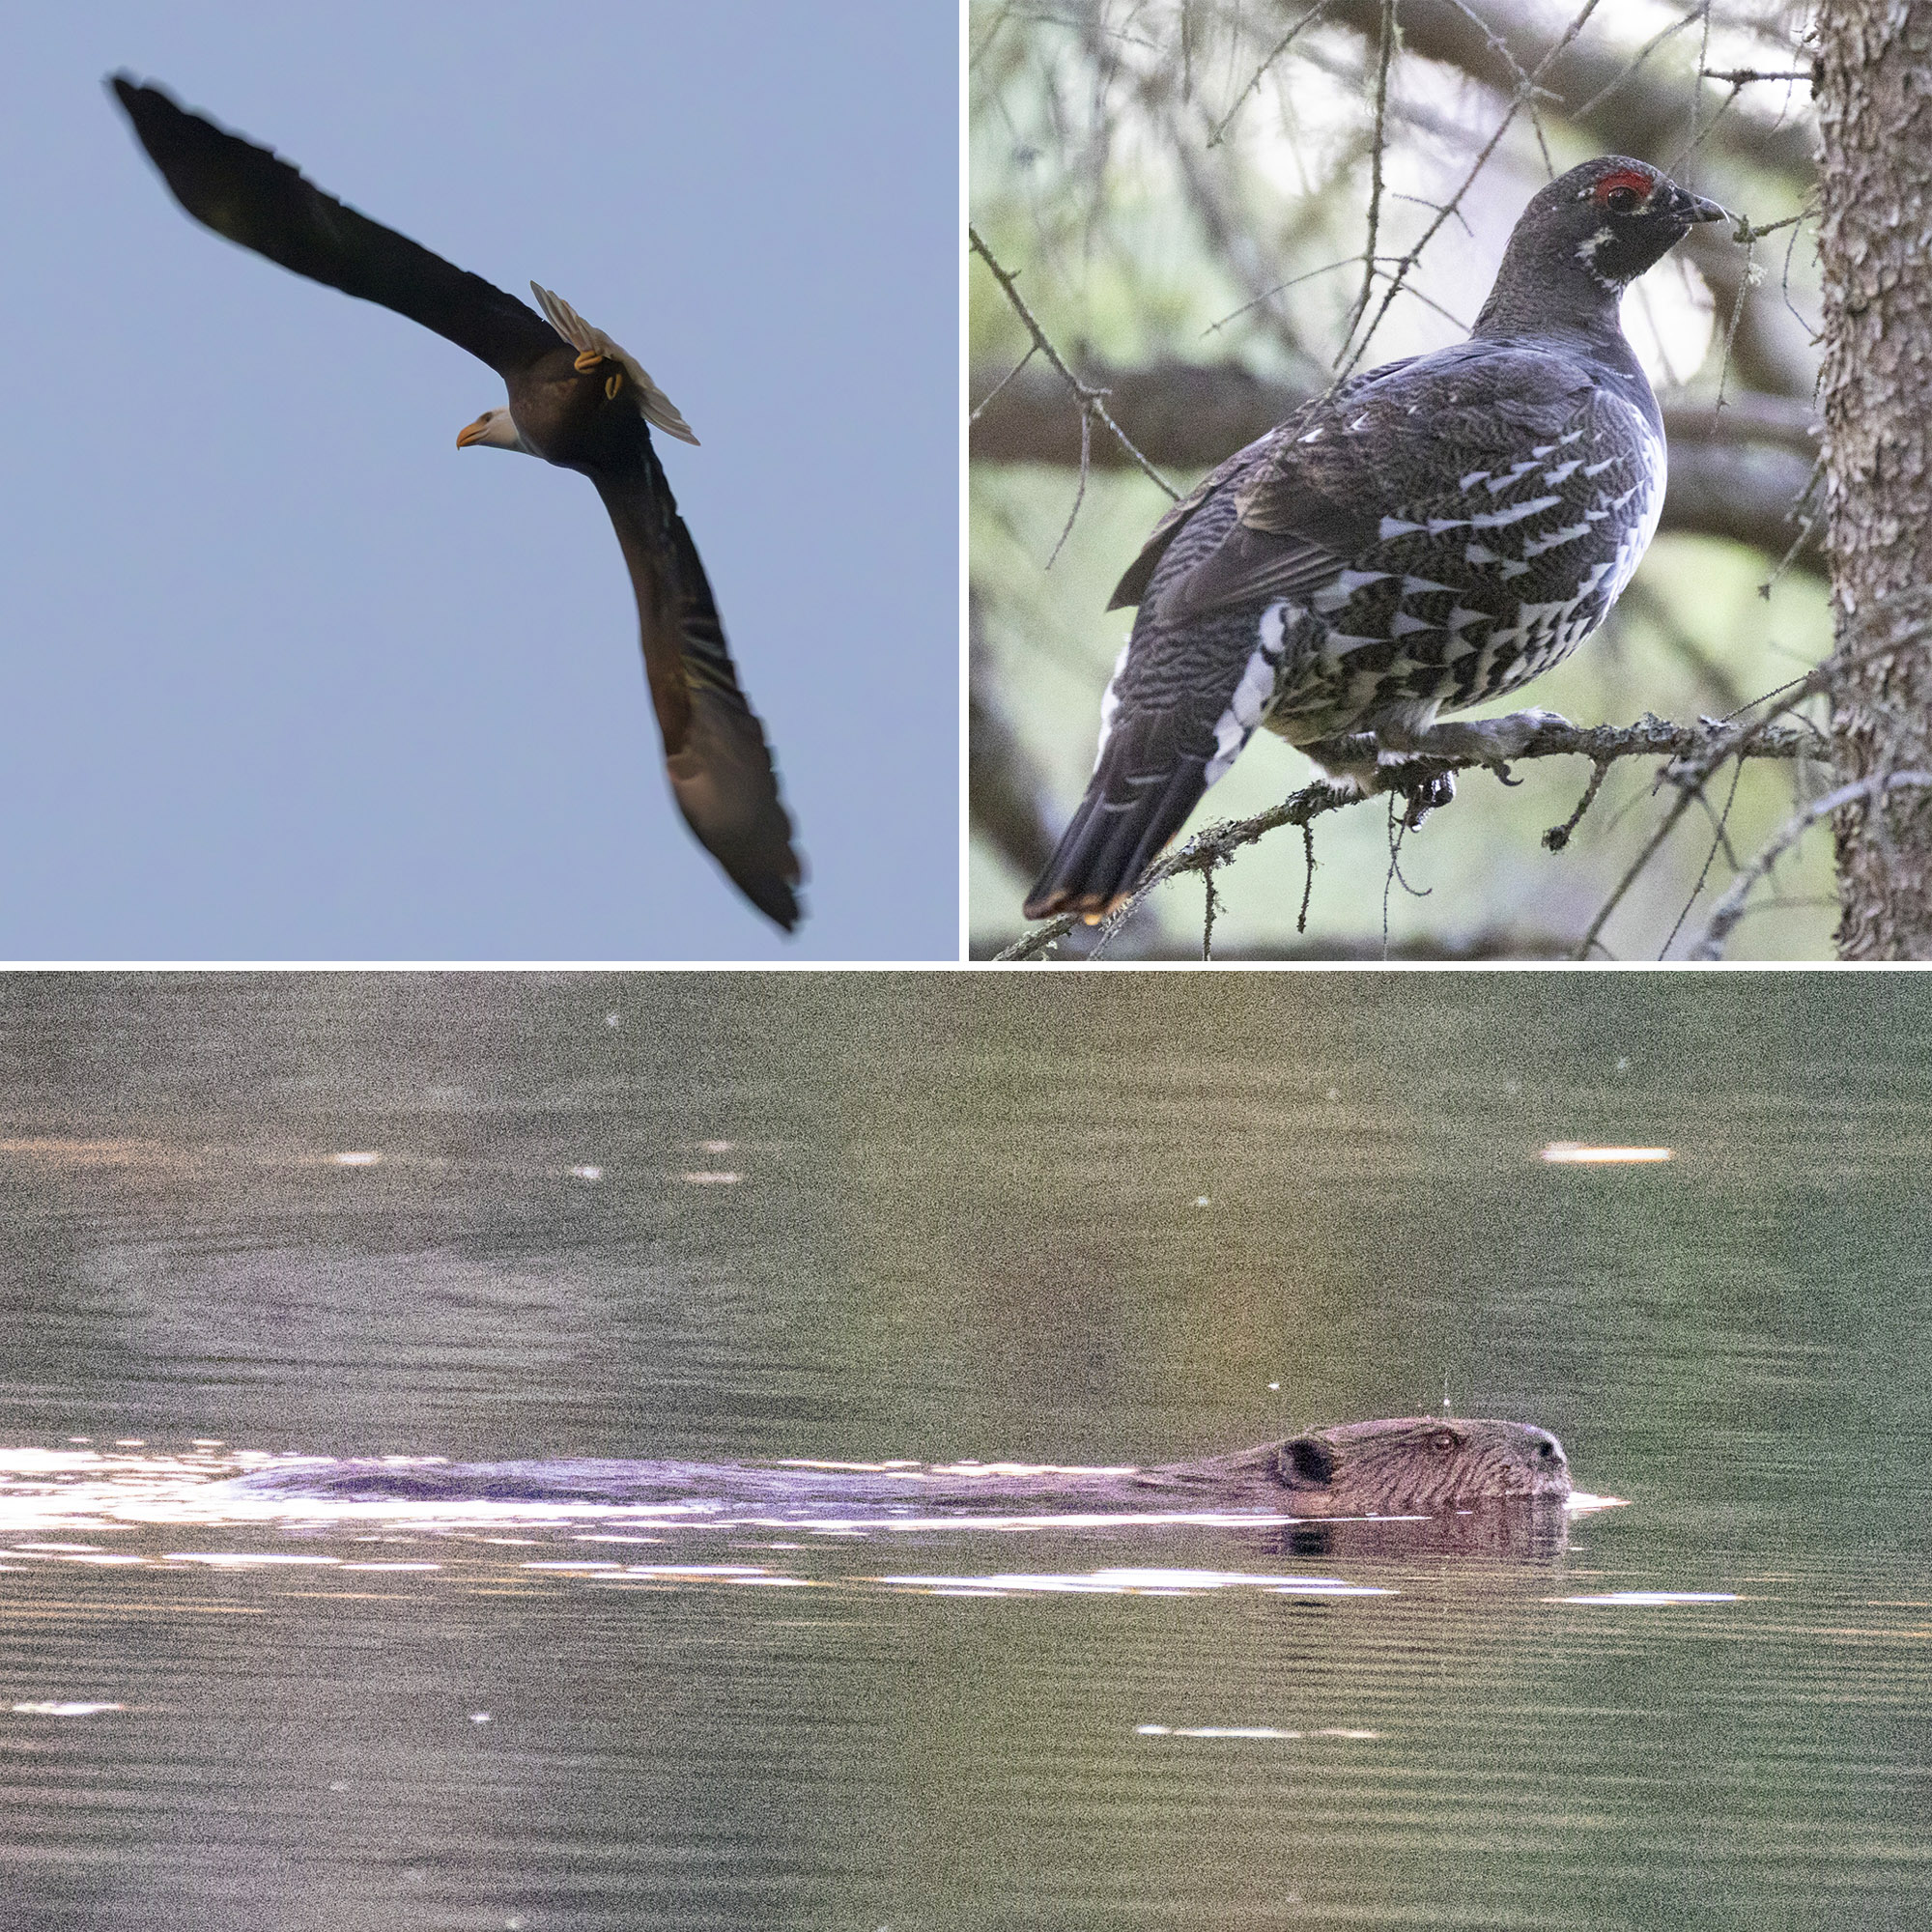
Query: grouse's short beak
(1689,207)
(473,432)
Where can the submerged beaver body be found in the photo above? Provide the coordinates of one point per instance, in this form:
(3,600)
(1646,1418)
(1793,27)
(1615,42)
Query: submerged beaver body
(1405,1466)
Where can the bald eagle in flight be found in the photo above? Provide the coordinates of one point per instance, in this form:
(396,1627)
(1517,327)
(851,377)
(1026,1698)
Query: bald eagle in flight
(577,400)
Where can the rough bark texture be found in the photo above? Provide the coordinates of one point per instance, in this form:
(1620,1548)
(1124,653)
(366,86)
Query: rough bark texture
(1874,96)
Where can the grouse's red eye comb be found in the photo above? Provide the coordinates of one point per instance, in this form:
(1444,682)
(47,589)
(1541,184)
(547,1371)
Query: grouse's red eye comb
(1629,177)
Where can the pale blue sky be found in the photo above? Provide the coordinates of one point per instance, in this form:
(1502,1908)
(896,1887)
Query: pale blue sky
(287,675)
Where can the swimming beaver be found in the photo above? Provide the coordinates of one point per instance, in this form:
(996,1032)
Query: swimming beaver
(1405,1466)
(1408,1466)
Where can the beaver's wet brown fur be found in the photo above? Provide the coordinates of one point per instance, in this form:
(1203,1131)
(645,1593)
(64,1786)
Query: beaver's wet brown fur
(1405,1466)
(1410,1467)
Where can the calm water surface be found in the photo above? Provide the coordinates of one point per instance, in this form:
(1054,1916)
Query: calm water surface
(739,1219)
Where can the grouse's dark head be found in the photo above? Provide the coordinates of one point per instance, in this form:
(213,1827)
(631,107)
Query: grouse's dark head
(1614,217)
(1582,240)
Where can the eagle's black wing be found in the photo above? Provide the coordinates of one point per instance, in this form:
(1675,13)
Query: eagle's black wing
(253,196)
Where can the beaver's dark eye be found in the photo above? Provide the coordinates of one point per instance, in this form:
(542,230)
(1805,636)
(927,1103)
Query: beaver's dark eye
(1442,1442)
(1548,1451)
(1622,199)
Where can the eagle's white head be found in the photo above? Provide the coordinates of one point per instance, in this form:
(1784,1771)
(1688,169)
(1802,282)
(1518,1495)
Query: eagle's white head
(494,429)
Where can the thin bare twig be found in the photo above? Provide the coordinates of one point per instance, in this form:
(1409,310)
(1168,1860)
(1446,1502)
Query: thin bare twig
(1080,492)
(1274,53)
(1729,909)
(1384,53)
(1280,288)
(1748,230)
(1093,402)
(1807,523)
(1558,836)
(1584,112)
(1731,330)
(1720,843)
(1002,383)
(1502,50)
(1635,872)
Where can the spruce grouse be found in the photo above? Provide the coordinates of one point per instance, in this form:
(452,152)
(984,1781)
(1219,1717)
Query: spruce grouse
(1428,535)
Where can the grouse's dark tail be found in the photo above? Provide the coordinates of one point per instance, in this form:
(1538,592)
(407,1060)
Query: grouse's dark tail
(1123,821)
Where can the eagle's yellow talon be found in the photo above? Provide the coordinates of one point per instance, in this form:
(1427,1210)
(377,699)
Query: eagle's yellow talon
(612,384)
(589,360)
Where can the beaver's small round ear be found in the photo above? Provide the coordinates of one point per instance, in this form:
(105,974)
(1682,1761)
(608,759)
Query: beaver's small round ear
(1306,1459)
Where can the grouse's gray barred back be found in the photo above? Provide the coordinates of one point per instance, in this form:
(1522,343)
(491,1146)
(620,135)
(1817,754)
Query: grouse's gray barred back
(1429,535)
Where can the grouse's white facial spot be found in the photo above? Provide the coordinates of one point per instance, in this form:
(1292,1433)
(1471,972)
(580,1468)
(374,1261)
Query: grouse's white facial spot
(1587,253)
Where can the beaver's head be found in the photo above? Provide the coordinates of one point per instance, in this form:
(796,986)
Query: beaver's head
(1422,1465)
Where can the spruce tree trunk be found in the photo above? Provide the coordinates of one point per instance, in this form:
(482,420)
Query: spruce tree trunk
(1873,86)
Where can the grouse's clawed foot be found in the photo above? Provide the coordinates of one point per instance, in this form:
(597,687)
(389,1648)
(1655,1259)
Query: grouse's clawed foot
(1490,741)
(1426,795)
